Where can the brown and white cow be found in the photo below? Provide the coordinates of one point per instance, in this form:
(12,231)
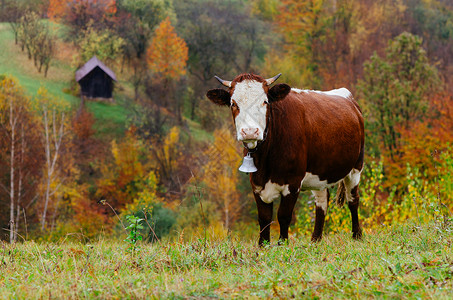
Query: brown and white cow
(300,140)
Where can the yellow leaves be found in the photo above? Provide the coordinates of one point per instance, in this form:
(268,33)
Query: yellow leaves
(104,44)
(221,176)
(168,53)
(10,91)
(45,101)
(170,142)
(126,155)
(146,198)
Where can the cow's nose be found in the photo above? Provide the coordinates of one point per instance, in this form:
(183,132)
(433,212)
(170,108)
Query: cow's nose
(250,133)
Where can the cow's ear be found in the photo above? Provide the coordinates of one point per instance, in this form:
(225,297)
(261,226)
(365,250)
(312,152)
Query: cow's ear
(219,97)
(278,92)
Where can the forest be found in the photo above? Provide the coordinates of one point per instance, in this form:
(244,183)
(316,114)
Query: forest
(163,154)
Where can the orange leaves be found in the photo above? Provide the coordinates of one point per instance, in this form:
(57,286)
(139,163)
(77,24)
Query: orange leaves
(421,139)
(56,9)
(168,53)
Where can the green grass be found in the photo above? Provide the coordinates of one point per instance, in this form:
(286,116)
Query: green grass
(399,262)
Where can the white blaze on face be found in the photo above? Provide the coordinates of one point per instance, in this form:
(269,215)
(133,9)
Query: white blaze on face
(250,98)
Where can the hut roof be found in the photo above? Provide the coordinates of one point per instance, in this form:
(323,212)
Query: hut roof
(90,65)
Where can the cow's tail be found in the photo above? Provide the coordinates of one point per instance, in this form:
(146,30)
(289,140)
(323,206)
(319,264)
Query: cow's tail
(341,194)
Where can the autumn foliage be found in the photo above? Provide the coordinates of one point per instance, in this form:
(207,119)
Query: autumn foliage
(171,157)
(168,53)
(58,9)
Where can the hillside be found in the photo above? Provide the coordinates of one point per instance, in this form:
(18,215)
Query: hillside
(110,118)
(402,261)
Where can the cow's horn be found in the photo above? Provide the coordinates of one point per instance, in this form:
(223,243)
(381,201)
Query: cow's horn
(224,82)
(273,79)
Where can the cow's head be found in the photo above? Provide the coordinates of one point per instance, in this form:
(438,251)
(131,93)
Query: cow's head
(249,97)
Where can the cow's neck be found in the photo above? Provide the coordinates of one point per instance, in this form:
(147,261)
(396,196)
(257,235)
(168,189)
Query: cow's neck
(273,133)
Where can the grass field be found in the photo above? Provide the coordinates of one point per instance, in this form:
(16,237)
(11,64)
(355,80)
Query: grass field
(404,261)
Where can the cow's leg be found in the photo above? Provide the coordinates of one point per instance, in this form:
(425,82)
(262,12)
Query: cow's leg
(322,202)
(285,214)
(352,195)
(265,211)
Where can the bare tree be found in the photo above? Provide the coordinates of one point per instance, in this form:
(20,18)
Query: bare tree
(53,126)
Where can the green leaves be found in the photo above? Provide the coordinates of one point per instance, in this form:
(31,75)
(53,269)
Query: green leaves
(105,44)
(395,89)
(134,233)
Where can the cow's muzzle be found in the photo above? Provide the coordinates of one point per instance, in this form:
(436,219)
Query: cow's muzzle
(250,137)
(250,134)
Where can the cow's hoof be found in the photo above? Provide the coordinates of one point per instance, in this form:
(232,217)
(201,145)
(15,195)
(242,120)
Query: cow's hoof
(282,242)
(357,235)
(315,238)
(264,243)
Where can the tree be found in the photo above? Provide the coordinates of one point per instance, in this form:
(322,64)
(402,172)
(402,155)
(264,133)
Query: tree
(122,178)
(11,12)
(433,21)
(317,37)
(56,9)
(135,24)
(166,154)
(54,134)
(221,177)
(102,43)
(168,53)
(223,38)
(19,158)
(37,39)
(303,24)
(80,14)
(167,58)
(395,90)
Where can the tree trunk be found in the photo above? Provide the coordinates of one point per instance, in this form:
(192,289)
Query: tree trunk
(51,163)
(19,187)
(47,145)
(12,122)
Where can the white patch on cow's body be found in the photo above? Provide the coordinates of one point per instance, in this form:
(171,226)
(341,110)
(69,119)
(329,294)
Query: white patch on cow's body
(312,182)
(250,97)
(342,92)
(272,191)
(321,199)
(350,182)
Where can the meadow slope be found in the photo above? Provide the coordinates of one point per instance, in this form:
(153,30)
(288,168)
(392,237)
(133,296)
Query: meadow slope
(404,261)
(110,118)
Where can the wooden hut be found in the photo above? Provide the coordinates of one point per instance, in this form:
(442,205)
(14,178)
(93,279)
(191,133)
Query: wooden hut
(95,79)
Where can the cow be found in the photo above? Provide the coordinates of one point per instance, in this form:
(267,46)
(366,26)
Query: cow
(300,140)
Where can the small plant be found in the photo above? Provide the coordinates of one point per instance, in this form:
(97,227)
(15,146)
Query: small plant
(133,233)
